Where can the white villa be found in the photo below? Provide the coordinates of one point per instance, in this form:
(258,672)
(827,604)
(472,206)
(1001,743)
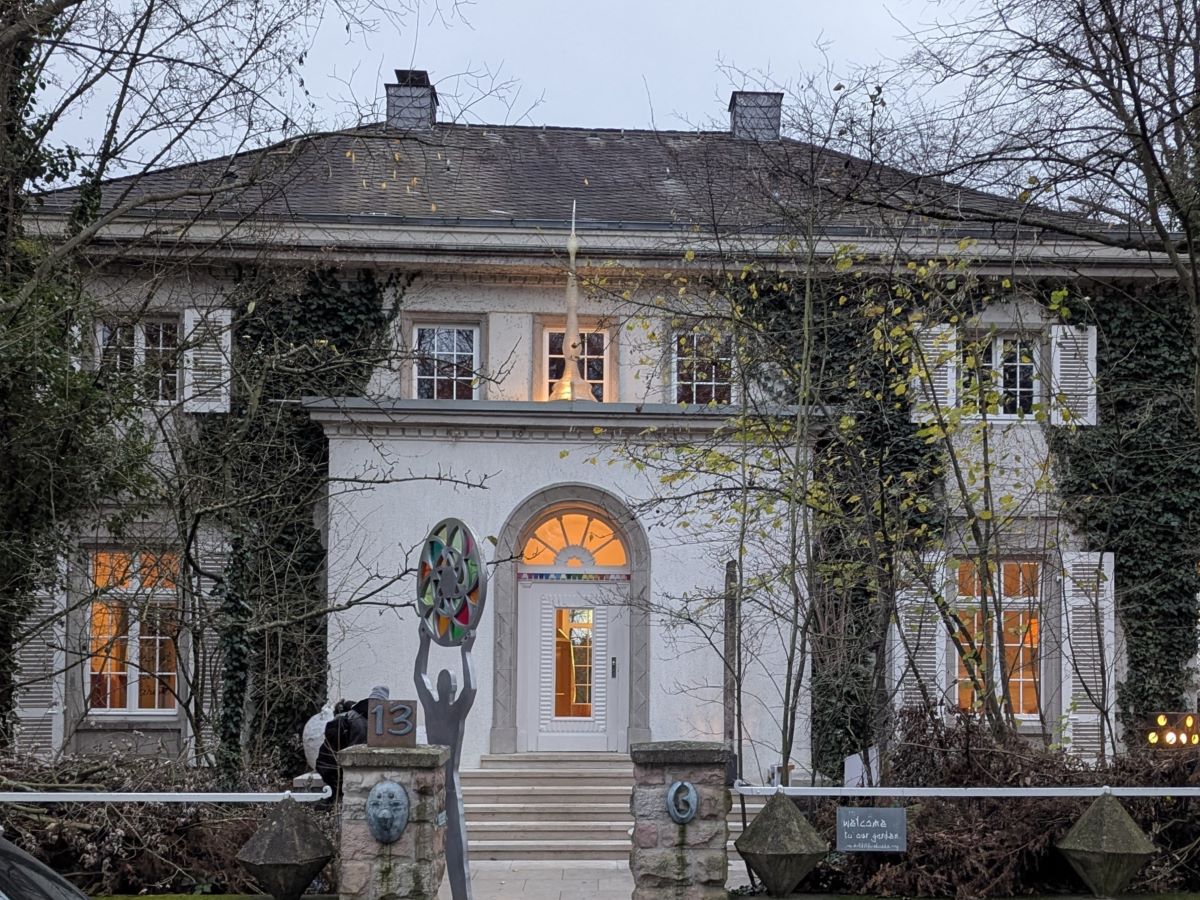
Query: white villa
(577,650)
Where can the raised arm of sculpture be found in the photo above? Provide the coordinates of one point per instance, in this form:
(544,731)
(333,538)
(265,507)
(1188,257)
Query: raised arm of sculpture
(421,671)
(467,697)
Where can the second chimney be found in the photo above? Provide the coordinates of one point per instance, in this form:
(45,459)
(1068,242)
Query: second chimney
(755,115)
(412,101)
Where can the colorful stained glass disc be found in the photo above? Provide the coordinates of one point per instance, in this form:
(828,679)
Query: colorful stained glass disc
(451,583)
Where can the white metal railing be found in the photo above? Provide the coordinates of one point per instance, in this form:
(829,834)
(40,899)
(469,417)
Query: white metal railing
(161,797)
(756,790)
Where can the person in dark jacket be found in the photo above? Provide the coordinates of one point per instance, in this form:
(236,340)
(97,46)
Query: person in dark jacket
(347,728)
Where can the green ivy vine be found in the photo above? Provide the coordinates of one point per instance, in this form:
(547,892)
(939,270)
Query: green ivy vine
(1131,485)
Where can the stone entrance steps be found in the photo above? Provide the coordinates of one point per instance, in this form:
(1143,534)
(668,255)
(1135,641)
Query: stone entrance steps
(554,806)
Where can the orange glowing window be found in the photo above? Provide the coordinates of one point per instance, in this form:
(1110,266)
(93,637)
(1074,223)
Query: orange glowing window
(133,631)
(574,540)
(1019,637)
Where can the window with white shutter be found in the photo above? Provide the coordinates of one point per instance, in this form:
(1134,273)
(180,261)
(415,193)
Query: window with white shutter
(1088,653)
(207,359)
(41,660)
(919,640)
(935,371)
(1072,375)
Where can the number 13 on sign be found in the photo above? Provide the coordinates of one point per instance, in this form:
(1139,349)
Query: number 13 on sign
(392,723)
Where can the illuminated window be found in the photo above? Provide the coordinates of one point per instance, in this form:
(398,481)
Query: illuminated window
(574,540)
(151,347)
(703,368)
(593,358)
(1016,633)
(133,632)
(573,663)
(447,362)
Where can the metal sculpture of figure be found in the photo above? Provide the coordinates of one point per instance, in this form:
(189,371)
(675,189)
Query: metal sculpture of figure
(451,590)
(445,723)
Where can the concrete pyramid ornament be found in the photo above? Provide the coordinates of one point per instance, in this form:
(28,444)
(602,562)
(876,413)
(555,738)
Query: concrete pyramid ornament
(781,846)
(287,852)
(1106,847)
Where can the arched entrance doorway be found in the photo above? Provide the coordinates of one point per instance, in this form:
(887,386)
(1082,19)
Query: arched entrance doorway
(573,614)
(572,632)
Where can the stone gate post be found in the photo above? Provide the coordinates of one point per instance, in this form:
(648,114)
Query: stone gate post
(398,851)
(680,808)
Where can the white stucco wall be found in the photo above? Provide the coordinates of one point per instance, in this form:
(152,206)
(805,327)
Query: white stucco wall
(375,532)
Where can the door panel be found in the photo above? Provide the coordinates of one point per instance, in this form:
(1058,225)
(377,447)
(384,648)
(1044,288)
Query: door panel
(573,649)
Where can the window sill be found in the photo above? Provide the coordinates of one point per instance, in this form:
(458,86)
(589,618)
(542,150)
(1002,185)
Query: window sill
(140,715)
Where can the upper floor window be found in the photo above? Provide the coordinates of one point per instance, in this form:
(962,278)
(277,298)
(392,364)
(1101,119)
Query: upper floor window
(151,347)
(988,634)
(447,362)
(132,641)
(1045,374)
(703,368)
(1000,374)
(593,358)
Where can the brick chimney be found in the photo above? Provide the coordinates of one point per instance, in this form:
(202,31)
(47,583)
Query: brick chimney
(754,115)
(412,101)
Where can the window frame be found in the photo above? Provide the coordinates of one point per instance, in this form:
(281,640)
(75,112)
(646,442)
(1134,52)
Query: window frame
(138,367)
(135,600)
(553,326)
(675,384)
(449,325)
(987,341)
(1010,603)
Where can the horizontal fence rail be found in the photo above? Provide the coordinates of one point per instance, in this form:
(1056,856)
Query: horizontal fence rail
(756,790)
(160,797)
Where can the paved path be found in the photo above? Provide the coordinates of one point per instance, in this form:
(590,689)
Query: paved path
(592,879)
(588,880)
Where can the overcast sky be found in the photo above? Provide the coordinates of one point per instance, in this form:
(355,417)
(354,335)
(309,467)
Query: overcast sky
(615,63)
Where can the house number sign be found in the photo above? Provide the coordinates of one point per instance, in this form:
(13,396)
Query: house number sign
(392,723)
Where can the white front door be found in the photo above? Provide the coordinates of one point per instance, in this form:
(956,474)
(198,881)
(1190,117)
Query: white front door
(573,652)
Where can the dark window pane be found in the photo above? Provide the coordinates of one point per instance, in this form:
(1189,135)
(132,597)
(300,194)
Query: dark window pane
(425,367)
(556,343)
(723,393)
(594,343)
(424,389)
(595,370)
(425,339)
(465,341)
(445,390)
(598,392)
(556,368)
(704,393)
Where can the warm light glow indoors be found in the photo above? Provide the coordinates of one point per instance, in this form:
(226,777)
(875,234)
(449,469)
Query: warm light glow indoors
(574,540)
(1152,737)
(1019,627)
(1161,720)
(573,663)
(133,631)
(1170,737)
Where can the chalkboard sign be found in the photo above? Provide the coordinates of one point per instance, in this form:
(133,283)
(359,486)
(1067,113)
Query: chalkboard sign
(862,829)
(391,723)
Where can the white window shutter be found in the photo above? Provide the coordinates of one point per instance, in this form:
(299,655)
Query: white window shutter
(919,638)
(935,382)
(207,359)
(41,660)
(1072,375)
(1088,653)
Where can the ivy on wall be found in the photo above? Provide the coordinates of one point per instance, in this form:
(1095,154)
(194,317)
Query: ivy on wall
(320,333)
(1131,485)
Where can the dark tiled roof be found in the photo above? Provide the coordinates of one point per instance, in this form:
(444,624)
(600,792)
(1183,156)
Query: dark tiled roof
(457,174)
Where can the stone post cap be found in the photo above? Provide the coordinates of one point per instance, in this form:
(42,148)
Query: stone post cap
(426,756)
(662,753)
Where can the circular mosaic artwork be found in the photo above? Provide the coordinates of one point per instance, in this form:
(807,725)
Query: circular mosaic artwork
(451,583)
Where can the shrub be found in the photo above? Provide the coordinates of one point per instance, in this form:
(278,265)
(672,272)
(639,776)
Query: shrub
(1005,847)
(129,848)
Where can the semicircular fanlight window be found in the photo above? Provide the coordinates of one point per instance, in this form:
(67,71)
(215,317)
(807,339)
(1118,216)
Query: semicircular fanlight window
(574,540)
